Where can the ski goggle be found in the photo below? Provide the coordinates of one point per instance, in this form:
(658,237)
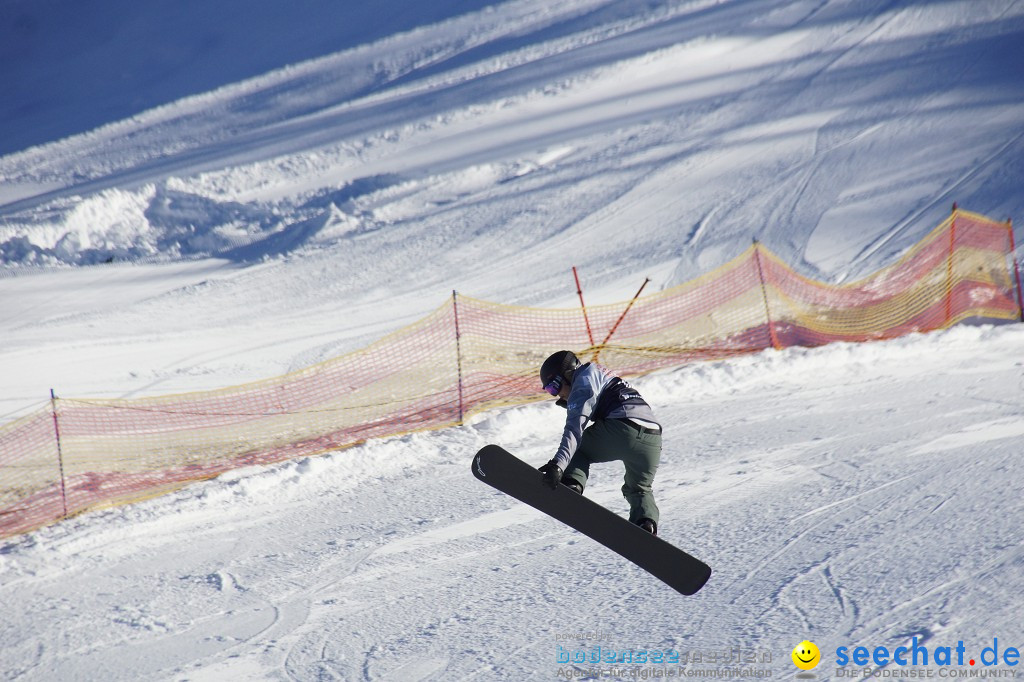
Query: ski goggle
(554,386)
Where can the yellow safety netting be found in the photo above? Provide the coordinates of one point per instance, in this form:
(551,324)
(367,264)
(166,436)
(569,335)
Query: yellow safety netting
(471,355)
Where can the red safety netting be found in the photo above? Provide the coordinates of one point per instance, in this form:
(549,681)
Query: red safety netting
(471,355)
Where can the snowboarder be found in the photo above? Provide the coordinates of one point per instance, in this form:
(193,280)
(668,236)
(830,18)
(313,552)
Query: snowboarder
(621,428)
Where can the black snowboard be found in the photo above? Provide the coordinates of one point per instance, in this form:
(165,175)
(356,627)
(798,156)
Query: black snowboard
(499,469)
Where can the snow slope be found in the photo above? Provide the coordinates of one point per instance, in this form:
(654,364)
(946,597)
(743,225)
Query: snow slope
(490,151)
(260,190)
(851,495)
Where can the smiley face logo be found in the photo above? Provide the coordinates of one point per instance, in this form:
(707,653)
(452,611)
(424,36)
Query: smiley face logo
(806,655)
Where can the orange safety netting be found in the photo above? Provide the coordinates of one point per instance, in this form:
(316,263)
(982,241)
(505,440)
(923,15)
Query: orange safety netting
(471,355)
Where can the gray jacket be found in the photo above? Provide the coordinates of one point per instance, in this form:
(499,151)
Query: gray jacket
(596,394)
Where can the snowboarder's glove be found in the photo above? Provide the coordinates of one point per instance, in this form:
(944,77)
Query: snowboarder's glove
(552,474)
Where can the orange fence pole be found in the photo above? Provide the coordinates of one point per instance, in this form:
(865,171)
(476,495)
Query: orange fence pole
(1016,268)
(764,295)
(60,453)
(616,325)
(949,267)
(458,348)
(579,292)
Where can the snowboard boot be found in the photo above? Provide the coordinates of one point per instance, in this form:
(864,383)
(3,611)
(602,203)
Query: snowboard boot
(573,486)
(648,525)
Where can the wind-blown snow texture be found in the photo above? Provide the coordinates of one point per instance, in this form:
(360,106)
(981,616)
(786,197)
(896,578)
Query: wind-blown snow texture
(225,211)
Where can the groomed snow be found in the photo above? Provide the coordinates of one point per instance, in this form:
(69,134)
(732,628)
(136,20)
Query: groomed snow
(247,191)
(856,494)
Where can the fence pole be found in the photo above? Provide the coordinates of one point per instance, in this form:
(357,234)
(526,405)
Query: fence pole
(949,267)
(764,296)
(60,452)
(586,320)
(616,325)
(1016,268)
(458,349)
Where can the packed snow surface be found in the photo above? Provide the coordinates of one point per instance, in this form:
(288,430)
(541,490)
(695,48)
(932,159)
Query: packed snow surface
(850,495)
(194,195)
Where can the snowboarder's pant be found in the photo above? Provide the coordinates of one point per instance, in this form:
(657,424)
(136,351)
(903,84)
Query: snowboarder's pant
(612,440)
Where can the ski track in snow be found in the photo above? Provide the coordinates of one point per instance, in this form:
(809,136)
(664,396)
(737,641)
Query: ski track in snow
(850,495)
(592,135)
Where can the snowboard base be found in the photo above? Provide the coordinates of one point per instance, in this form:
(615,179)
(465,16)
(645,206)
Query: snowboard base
(501,470)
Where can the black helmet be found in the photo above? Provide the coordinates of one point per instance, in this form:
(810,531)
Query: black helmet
(561,364)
